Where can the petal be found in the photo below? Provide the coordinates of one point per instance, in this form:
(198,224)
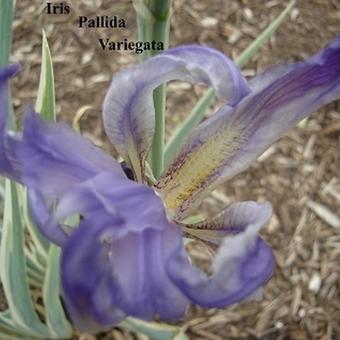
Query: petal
(233,220)
(55,158)
(99,200)
(128,110)
(9,164)
(44,220)
(109,196)
(138,261)
(231,139)
(88,284)
(243,262)
(125,257)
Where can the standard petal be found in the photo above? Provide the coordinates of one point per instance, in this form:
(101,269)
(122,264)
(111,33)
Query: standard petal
(242,265)
(231,139)
(128,110)
(54,157)
(9,163)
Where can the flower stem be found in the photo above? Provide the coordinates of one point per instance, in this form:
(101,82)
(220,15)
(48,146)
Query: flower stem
(153,17)
(6,10)
(157,154)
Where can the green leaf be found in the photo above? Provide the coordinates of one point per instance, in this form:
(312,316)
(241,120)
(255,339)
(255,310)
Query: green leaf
(264,36)
(56,320)
(33,263)
(21,320)
(7,336)
(13,267)
(7,326)
(144,18)
(45,104)
(40,243)
(9,330)
(153,330)
(34,277)
(6,17)
(197,114)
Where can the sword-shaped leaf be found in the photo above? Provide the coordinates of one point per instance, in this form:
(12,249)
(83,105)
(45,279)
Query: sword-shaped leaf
(13,267)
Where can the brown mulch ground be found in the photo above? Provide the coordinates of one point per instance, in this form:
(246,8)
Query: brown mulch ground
(299,174)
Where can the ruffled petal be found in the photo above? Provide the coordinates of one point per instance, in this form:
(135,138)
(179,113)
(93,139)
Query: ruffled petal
(55,158)
(231,221)
(45,220)
(128,110)
(233,138)
(113,265)
(109,196)
(88,283)
(242,265)
(55,161)
(139,263)
(9,140)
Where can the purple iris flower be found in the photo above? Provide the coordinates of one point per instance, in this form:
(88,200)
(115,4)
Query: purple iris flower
(126,257)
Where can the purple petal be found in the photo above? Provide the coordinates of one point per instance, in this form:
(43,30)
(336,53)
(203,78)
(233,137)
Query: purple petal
(55,161)
(55,158)
(128,110)
(233,138)
(44,220)
(109,196)
(88,284)
(9,164)
(233,220)
(113,265)
(243,262)
(138,261)
(213,68)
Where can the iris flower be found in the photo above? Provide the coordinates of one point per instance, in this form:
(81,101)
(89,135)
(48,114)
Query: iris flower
(126,257)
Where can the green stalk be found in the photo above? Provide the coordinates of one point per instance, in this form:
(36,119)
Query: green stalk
(144,25)
(6,10)
(157,153)
(6,17)
(161,12)
(153,18)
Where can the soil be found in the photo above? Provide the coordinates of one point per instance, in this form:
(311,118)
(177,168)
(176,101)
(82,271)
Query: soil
(299,174)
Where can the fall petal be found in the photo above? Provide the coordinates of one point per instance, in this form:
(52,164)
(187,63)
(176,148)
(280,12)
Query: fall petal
(45,220)
(125,254)
(55,158)
(231,221)
(242,264)
(9,140)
